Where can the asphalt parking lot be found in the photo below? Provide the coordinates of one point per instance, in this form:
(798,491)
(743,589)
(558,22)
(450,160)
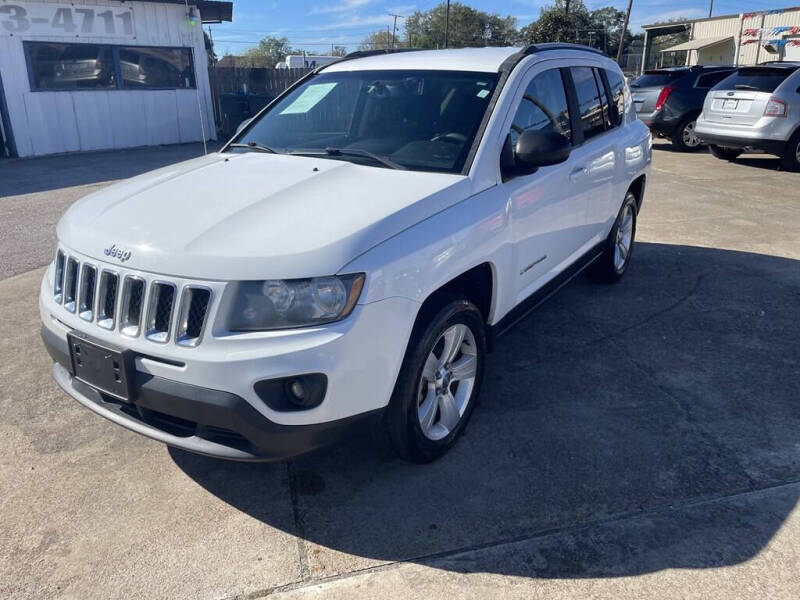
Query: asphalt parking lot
(636,440)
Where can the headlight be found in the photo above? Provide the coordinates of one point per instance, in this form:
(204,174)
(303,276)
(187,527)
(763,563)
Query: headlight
(287,303)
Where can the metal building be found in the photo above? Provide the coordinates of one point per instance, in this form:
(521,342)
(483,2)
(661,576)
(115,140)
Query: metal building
(102,74)
(742,39)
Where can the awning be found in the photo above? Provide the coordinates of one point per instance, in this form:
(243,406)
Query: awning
(698,44)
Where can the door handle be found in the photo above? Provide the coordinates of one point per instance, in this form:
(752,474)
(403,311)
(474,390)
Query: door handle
(578,174)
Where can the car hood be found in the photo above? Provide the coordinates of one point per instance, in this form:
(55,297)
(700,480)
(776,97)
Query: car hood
(253,215)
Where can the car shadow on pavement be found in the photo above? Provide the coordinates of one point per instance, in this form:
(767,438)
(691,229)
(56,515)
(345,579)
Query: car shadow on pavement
(761,161)
(25,176)
(622,429)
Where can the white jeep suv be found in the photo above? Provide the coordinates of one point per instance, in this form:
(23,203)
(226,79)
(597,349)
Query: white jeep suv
(350,256)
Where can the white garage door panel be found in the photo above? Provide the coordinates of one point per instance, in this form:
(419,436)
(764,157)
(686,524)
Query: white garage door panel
(94,118)
(51,122)
(129,112)
(161,117)
(188,116)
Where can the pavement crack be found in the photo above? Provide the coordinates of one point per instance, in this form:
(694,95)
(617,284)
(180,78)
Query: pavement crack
(299,523)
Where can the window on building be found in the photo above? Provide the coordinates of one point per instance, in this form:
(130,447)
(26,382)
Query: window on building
(617,87)
(589,102)
(543,107)
(147,67)
(59,66)
(71,66)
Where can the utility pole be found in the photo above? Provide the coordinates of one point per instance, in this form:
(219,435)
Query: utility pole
(394,27)
(624,31)
(710,8)
(387,38)
(566,7)
(446,23)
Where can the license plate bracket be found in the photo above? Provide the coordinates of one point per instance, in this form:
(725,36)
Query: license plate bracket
(104,368)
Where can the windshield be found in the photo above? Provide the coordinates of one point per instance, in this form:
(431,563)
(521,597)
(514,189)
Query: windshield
(761,79)
(420,120)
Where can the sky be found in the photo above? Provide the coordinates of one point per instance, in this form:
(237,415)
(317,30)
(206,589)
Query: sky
(316,24)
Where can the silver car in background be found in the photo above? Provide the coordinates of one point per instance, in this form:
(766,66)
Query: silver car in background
(755,108)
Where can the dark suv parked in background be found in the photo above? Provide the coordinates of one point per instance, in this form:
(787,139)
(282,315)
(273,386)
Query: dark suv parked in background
(670,100)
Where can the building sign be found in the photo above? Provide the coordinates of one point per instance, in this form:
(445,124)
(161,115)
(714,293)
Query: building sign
(20,18)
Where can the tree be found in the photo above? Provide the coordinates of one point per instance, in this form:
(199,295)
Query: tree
(210,54)
(269,52)
(605,26)
(468,27)
(555,24)
(339,51)
(377,40)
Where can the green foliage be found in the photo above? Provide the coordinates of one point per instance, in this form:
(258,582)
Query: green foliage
(377,40)
(269,52)
(468,27)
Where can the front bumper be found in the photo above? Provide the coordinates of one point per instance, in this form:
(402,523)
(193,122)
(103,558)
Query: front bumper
(201,420)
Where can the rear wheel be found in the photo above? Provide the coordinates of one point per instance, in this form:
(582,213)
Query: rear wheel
(438,384)
(791,155)
(684,138)
(612,264)
(725,153)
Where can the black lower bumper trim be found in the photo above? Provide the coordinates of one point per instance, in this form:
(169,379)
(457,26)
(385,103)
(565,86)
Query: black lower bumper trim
(775,147)
(206,421)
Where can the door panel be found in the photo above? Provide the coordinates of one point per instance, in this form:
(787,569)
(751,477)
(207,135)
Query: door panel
(548,215)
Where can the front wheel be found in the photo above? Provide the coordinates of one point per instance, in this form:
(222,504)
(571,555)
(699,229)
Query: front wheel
(612,264)
(438,384)
(725,153)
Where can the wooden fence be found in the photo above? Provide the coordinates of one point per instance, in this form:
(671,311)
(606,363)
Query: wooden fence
(232,80)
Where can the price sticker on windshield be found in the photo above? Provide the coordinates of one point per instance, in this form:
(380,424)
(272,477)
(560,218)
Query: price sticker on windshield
(310,97)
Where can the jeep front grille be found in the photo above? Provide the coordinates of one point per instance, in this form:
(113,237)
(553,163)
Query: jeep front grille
(192,316)
(132,303)
(159,311)
(86,297)
(107,300)
(70,284)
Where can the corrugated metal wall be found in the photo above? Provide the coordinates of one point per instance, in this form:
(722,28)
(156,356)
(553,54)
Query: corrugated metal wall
(750,53)
(65,121)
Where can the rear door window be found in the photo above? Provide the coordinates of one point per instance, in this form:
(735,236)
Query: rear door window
(590,106)
(759,79)
(657,78)
(603,98)
(617,87)
(711,79)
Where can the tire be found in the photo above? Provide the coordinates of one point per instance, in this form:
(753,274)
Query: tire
(791,155)
(612,264)
(684,139)
(422,424)
(725,153)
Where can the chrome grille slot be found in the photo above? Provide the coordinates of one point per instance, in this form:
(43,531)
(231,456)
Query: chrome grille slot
(159,311)
(107,299)
(132,303)
(192,317)
(58,283)
(70,284)
(86,297)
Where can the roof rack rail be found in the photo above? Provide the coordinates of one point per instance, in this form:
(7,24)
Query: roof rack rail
(531,48)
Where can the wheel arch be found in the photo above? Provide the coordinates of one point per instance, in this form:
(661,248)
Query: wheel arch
(637,188)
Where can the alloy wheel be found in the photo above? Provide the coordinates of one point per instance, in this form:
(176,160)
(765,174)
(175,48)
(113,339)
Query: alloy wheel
(622,245)
(447,381)
(689,136)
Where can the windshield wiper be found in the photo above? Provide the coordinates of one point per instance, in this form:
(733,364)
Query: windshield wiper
(254,146)
(386,162)
(744,86)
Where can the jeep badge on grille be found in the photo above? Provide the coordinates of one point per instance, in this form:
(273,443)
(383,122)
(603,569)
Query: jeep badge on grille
(118,253)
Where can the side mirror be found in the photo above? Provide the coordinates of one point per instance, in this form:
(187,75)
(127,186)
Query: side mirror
(539,149)
(242,125)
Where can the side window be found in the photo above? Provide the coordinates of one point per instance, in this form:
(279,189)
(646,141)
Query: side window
(543,107)
(617,87)
(603,98)
(712,79)
(589,104)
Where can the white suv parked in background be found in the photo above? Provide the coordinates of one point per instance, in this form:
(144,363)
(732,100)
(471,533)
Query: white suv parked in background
(351,254)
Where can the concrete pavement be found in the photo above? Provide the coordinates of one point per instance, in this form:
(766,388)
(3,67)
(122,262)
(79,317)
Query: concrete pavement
(637,440)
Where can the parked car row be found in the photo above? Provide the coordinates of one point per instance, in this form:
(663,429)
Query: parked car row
(732,110)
